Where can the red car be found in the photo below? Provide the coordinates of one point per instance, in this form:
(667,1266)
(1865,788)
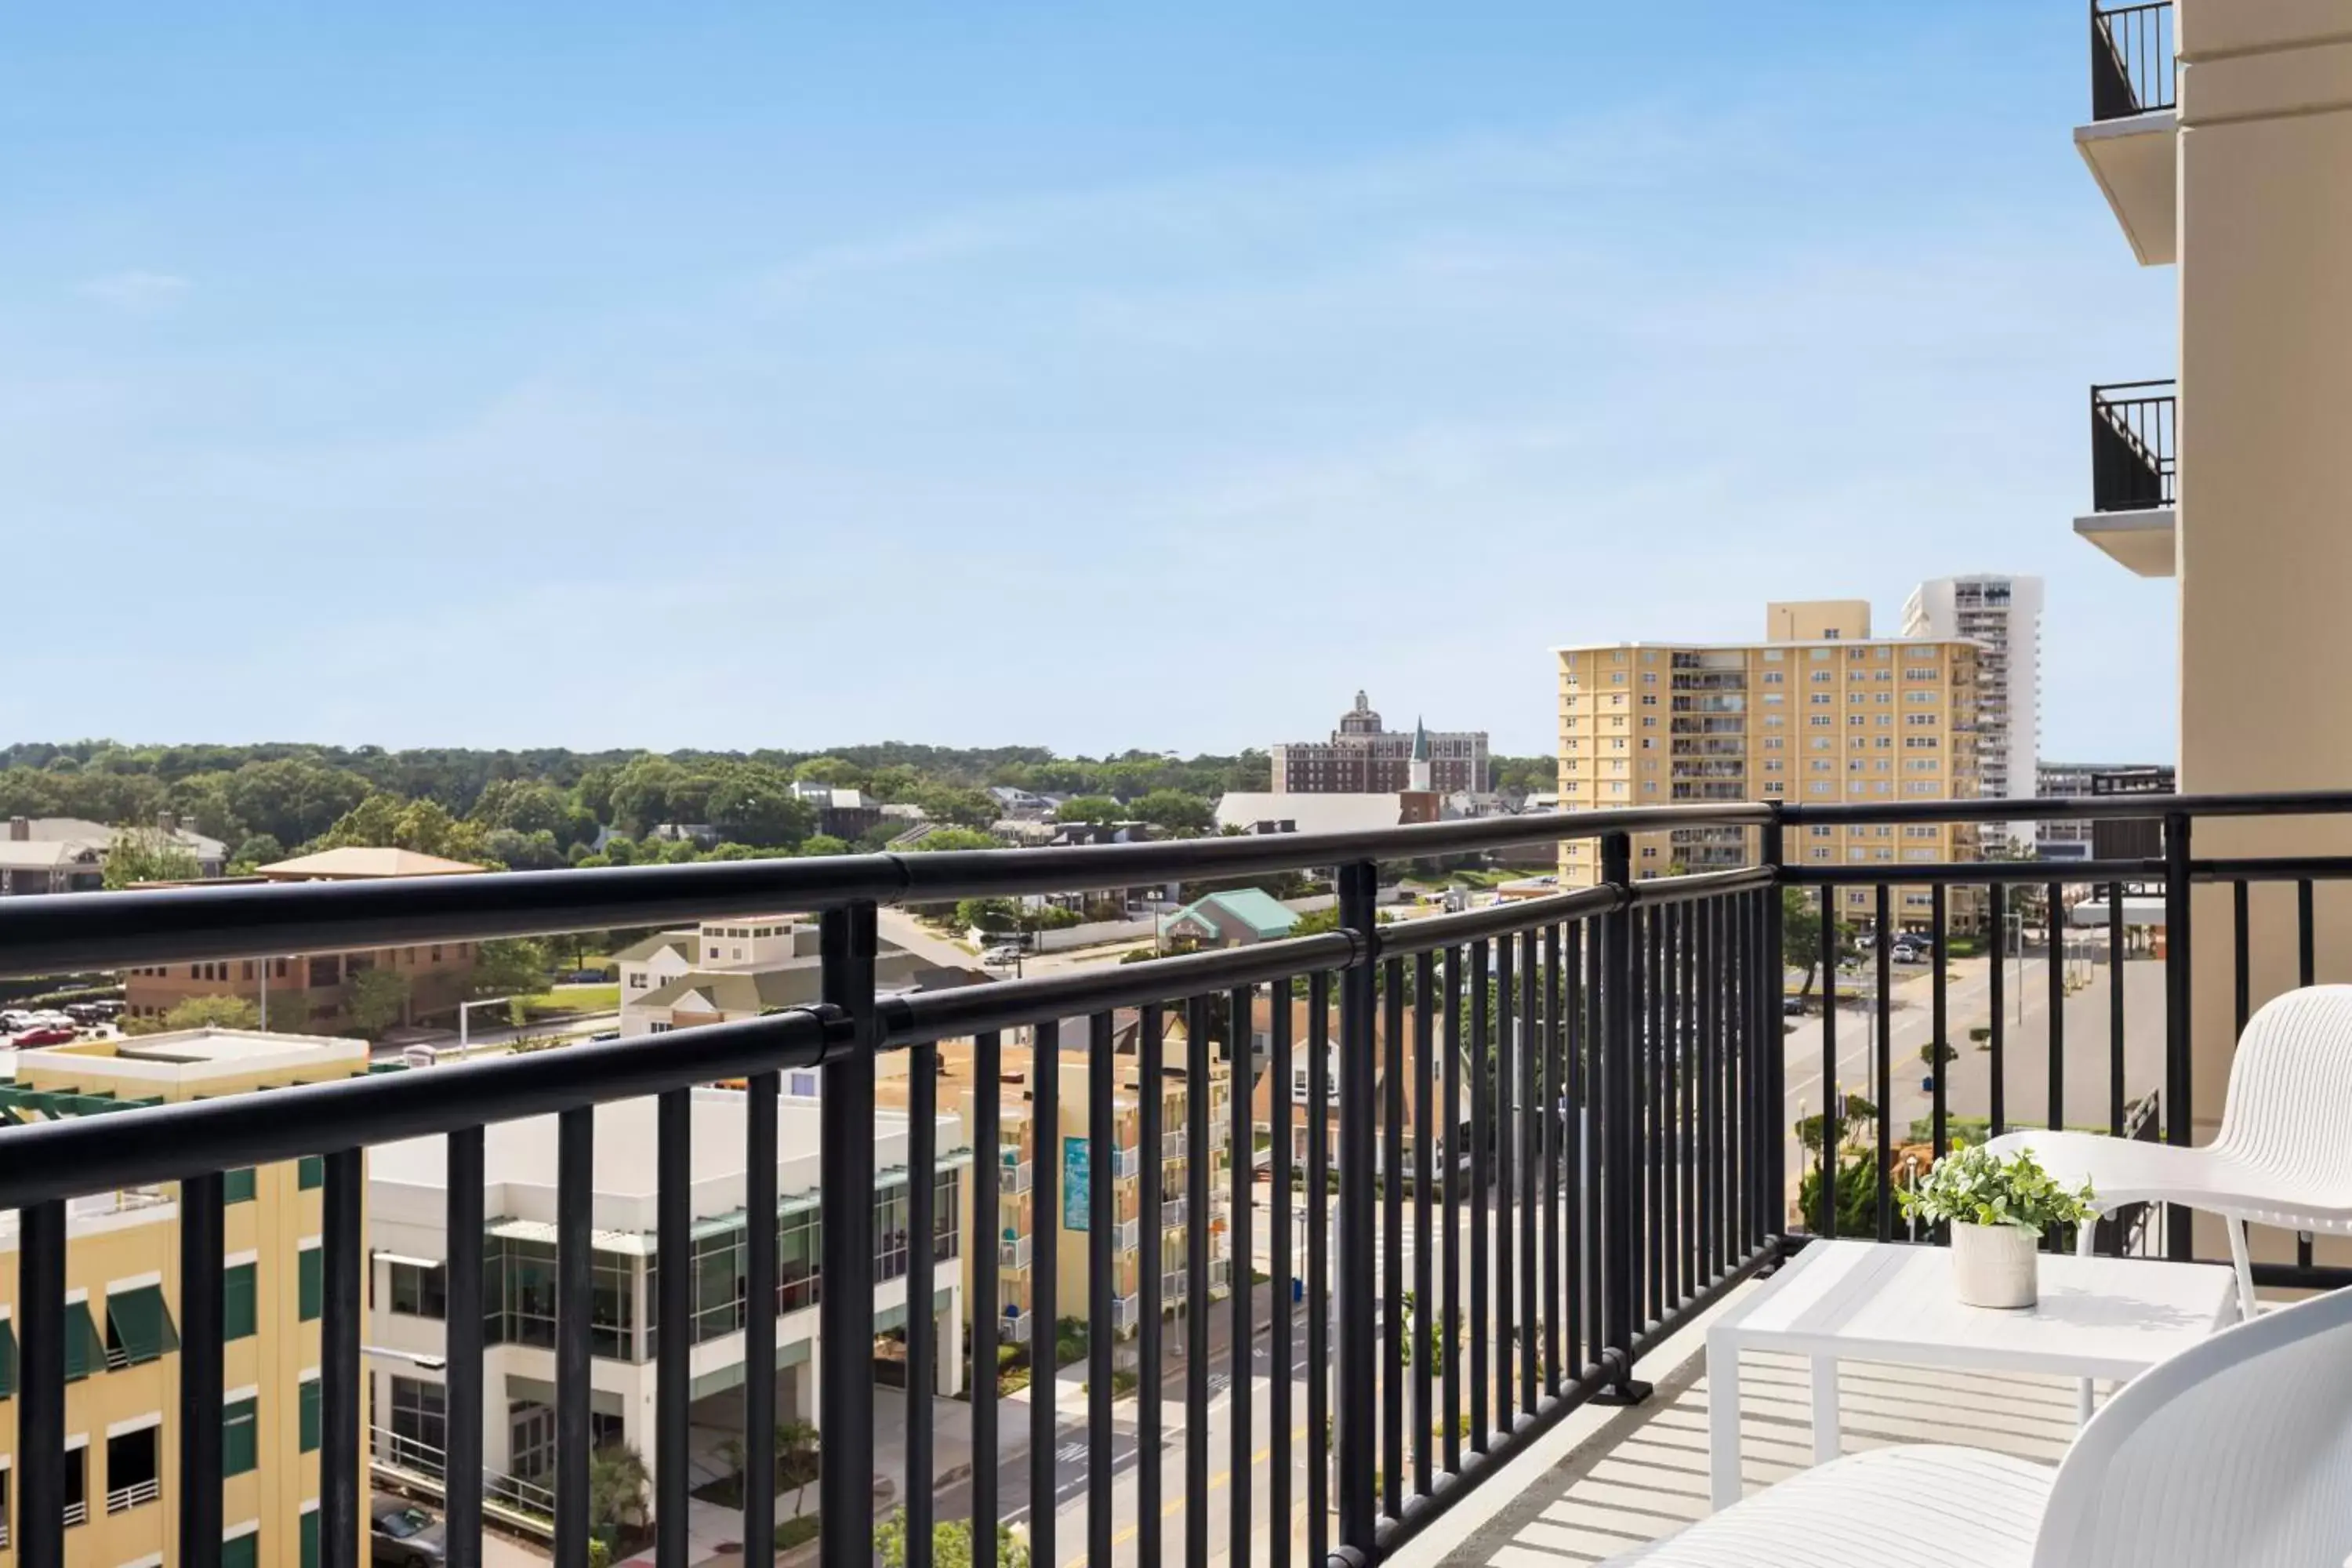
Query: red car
(52,1036)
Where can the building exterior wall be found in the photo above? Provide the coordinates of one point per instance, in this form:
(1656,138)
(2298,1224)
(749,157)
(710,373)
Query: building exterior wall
(2265,250)
(137,1244)
(1817,723)
(439,975)
(2003,614)
(1362,757)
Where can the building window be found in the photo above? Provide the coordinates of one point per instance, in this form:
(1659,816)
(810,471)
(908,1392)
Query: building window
(133,1477)
(236,1186)
(77,1487)
(419,1290)
(238,1437)
(640,981)
(307,1414)
(659,1027)
(420,1422)
(310,1536)
(309,1283)
(236,1301)
(138,1328)
(310,1171)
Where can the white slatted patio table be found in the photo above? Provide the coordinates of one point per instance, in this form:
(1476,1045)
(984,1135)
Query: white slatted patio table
(1858,1300)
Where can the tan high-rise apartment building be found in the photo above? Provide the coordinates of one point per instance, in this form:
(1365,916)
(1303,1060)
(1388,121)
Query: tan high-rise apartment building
(123,1309)
(2220,133)
(1819,712)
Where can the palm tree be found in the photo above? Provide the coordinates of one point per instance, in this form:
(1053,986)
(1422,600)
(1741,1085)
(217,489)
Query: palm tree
(616,1488)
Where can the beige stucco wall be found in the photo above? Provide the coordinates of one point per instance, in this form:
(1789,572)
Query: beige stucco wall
(2266,535)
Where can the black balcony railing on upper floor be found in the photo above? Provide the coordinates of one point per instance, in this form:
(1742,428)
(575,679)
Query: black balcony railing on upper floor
(1617,1052)
(2132,69)
(2134,427)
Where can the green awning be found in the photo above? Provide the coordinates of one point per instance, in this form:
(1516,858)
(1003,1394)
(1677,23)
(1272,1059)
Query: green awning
(7,1358)
(137,1325)
(85,1352)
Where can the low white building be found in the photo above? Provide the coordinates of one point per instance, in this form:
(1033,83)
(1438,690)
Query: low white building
(408,1294)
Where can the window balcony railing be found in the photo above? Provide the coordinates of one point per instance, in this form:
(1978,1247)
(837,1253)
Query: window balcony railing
(2134,458)
(138,1494)
(2132,68)
(1014,1179)
(1172,1214)
(1127,1164)
(1130,1235)
(74,1513)
(1678,1166)
(1014,1254)
(1171,1145)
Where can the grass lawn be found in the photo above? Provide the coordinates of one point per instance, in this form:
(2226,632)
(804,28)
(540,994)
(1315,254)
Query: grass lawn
(573,999)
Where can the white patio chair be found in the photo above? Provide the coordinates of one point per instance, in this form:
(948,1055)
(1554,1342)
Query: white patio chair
(2234,1454)
(2283,1158)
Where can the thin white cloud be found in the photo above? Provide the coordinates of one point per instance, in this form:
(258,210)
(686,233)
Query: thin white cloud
(136,293)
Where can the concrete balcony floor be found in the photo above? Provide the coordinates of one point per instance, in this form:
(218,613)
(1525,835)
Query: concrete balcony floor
(1611,1479)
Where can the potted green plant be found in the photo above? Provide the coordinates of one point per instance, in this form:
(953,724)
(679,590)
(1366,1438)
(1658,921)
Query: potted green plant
(1998,1210)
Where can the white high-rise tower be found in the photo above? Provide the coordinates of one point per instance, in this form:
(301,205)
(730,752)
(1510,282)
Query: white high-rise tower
(2004,613)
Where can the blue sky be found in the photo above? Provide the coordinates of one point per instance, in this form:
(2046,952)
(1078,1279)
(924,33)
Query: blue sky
(1124,376)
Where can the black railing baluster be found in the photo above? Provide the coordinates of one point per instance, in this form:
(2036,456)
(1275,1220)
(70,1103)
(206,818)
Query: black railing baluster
(1529,1162)
(1682,1075)
(1424,1300)
(2240,959)
(922,1320)
(1553,1107)
(1359,1358)
(462,1346)
(846,945)
(1506,1107)
(1656,984)
(1601,1276)
(41,1387)
(2116,1010)
(1319,1269)
(1576,1096)
(575,1187)
(2179,1127)
(1196,1282)
(1102,1262)
(1832,1099)
(1394,1347)
(1241,1246)
(343,1410)
(201,1239)
(2054,946)
(1707,1119)
(1482,1187)
(1938,1027)
(1045,1283)
(1885,1182)
(987,1274)
(1619,1241)
(1279,1370)
(2306,971)
(762,1282)
(1151,1085)
(673,1315)
(1772,1032)
(1996,900)
(1450,1115)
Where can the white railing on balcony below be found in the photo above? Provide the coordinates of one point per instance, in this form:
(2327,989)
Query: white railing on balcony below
(1125,1163)
(1220,1271)
(1127,1311)
(1014,1178)
(1013,1253)
(1171,1213)
(1130,1235)
(77,1513)
(1174,1286)
(121,1500)
(1171,1145)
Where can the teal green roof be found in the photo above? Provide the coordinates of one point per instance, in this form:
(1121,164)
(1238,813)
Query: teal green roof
(1263,913)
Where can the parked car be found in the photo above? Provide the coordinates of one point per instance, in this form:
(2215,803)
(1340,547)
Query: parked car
(402,1535)
(582,977)
(605,1035)
(86,1012)
(14,1018)
(1791,1006)
(50,1035)
(1001,957)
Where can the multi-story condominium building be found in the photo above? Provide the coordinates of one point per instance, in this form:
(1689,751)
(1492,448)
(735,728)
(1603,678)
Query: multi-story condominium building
(2003,615)
(2220,134)
(122,1274)
(312,991)
(1363,758)
(408,1288)
(1070,1160)
(1826,714)
(2074,840)
(68,854)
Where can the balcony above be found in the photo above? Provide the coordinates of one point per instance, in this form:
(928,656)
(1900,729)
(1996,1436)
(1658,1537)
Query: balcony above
(2134,473)
(2132,141)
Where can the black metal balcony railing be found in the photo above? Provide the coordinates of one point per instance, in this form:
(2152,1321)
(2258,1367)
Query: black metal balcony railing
(2132,69)
(2134,427)
(1625,1062)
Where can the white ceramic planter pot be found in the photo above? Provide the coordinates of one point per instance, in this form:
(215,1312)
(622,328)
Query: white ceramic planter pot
(1995,1265)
